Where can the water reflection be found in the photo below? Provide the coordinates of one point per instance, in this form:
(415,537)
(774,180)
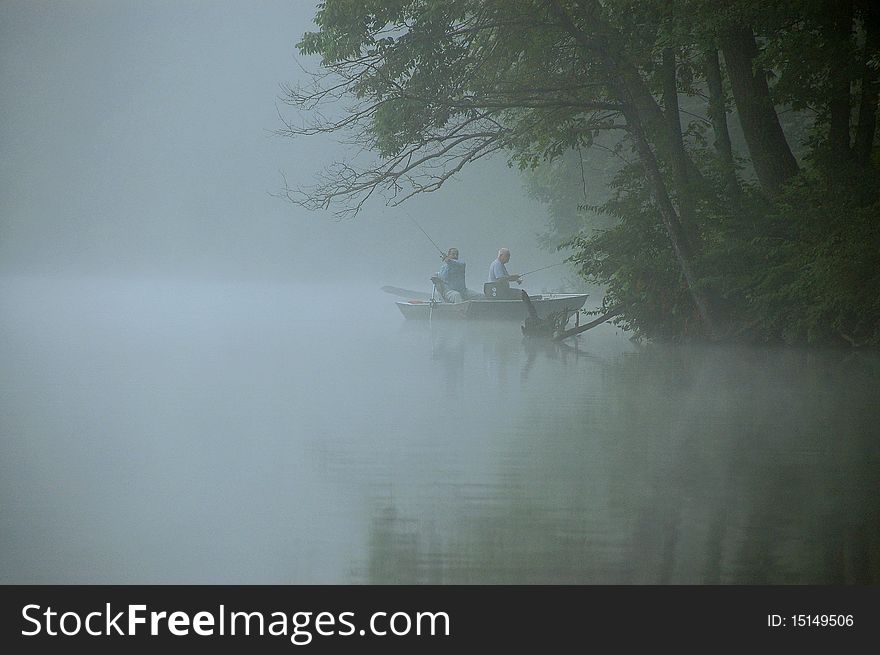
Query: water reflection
(682,465)
(171,432)
(498,347)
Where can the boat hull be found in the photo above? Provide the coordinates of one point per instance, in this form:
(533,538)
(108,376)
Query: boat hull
(503,310)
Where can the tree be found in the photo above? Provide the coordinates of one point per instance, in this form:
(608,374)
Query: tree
(440,85)
(435,85)
(771,155)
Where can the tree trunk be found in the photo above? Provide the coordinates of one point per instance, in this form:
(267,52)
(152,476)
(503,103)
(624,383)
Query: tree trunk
(654,120)
(718,115)
(839,35)
(870,87)
(671,222)
(774,163)
(629,92)
(677,156)
(631,87)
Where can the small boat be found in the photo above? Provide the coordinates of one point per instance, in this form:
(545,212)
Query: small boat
(545,305)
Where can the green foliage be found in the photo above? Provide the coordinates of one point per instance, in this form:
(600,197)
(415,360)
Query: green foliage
(801,270)
(798,268)
(635,264)
(573,188)
(808,273)
(557,86)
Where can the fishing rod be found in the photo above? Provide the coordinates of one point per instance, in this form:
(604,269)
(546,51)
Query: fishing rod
(543,268)
(519,276)
(442,254)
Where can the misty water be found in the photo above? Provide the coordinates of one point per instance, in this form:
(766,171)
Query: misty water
(168,431)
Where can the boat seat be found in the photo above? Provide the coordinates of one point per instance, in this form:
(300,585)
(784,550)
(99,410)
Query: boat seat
(440,287)
(500,291)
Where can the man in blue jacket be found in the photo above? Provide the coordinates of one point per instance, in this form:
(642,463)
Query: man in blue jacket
(452,277)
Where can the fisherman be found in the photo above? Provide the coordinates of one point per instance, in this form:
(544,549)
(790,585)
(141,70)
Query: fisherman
(499,278)
(453,288)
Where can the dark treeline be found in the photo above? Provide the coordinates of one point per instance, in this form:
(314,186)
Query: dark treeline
(729,148)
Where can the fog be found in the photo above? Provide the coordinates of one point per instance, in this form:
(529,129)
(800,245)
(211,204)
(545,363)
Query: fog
(138,140)
(201,382)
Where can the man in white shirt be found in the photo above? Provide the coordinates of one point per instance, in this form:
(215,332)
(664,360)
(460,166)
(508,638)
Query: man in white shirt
(499,276)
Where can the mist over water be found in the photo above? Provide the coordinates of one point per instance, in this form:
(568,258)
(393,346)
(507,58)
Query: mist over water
(160,430)
(203,383)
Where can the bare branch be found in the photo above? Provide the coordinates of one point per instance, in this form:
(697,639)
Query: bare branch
(447,122)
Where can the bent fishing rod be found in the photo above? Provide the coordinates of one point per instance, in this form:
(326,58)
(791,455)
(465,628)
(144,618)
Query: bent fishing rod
(442,254)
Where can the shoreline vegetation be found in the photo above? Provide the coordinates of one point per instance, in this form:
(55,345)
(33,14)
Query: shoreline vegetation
(713,168)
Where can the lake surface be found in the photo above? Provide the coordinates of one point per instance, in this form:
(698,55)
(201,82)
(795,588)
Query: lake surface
(158,431)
